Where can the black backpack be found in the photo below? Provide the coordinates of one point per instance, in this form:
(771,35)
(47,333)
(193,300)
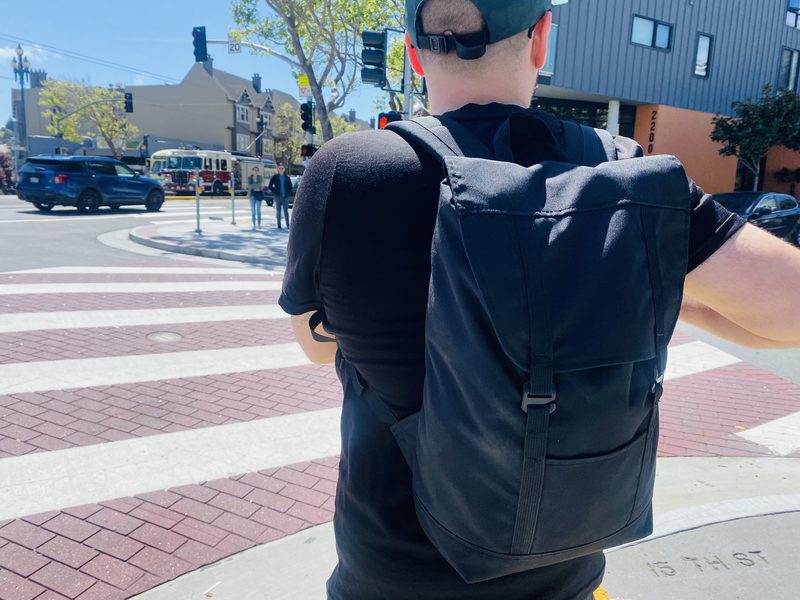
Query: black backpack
(554,292)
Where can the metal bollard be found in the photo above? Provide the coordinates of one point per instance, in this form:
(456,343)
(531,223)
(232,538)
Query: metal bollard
(233,202)
(197,199)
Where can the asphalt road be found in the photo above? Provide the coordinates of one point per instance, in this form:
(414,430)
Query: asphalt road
(31,239)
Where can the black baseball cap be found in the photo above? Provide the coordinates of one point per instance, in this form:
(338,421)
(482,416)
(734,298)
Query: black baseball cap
(503,18)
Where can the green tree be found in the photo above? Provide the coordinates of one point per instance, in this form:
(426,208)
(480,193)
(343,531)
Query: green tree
(757,127)
(76,110)
(322,39)
(287,135)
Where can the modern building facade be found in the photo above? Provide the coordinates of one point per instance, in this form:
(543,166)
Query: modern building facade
(660,70)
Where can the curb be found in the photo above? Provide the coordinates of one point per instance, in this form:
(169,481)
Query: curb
(192,251)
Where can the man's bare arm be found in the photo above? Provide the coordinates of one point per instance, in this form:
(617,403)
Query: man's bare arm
(321,353)
(748,291)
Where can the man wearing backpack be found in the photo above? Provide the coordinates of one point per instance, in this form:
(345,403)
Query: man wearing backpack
(552,279)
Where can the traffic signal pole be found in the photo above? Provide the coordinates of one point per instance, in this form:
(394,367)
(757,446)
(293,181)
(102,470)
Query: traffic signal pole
(408,97)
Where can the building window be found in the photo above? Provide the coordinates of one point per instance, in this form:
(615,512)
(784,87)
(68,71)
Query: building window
(267,120)
(242,142)
(790,60)
(702,61)
(242,113)
(650,33)
(793,14)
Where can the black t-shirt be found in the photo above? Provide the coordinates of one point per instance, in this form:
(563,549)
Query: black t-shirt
(360,252)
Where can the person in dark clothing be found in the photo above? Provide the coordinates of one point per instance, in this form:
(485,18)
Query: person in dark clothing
(281,187)
(362,266)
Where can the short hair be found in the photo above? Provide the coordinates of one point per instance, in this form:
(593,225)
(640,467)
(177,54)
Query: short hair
(461,17)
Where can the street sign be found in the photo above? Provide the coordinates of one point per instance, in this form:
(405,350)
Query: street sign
(305,91)
(302,81)
(234,47)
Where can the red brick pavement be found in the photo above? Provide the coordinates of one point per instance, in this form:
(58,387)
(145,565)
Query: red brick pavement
(58,419)
(26,278)
(23,303)
(120,548)
(58,344)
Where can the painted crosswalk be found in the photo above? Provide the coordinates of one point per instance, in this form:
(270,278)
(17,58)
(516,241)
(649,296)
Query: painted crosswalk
(131,462)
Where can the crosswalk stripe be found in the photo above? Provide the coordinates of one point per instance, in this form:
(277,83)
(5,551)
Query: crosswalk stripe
(46,481)
(781,436)
(145,287)
(696,357)
(39,321)
(244,270)
(40,376)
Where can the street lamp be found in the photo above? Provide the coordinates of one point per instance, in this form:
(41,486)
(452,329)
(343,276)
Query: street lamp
(21,67)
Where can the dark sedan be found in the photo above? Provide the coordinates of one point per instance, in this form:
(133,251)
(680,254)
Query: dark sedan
(85,182)
(777,213)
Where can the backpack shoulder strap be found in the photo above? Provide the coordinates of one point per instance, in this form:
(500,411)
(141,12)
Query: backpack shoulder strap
(441,138)
(586,146)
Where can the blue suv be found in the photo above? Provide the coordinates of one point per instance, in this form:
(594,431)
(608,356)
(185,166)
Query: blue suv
(87,183)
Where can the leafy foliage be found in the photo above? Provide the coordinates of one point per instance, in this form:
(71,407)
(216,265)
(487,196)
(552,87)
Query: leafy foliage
(321,37)
(76,110)
(6,172)
(757,127)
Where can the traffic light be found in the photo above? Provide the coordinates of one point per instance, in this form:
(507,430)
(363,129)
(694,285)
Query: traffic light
(307,150)
(374,57)
(307,116)
(388,117)
(128,102)
(200,47)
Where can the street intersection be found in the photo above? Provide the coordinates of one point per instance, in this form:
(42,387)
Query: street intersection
(156,417)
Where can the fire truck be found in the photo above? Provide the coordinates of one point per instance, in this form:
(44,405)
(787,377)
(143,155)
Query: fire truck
(175,169)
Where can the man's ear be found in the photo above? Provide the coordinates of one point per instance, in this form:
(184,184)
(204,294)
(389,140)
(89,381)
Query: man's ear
(541,36)
(413,56)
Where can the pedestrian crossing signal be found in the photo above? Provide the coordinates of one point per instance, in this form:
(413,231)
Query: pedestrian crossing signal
(388,117)
(307,150)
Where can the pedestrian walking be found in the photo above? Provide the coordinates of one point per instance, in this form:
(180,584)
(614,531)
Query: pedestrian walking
(502,375)
(255,187)
(281,187)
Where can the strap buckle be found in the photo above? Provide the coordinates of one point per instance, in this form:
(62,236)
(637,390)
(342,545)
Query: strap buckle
(437,44)
(529,400)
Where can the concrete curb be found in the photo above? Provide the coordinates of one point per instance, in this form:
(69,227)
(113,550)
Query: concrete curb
(138,238)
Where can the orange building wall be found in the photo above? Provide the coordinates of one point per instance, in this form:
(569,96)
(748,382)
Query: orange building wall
(780,158)
(685,134)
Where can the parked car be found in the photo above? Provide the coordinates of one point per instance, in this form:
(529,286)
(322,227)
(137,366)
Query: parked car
(87,183)
(777,213)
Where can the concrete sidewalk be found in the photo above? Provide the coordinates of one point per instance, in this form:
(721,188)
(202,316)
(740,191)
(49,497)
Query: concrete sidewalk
(725,528)
(218,239)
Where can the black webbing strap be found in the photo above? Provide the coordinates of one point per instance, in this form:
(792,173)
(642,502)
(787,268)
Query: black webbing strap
(441,138)
(538,395)
(314,322)
(586,146)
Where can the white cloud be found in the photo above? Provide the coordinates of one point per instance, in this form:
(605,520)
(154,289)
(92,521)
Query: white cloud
(34,54)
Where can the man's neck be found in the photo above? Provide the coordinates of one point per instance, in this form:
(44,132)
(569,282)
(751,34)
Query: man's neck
(446,99)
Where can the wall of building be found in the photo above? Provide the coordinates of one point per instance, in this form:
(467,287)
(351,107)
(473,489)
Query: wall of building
(594,54)
(685,134)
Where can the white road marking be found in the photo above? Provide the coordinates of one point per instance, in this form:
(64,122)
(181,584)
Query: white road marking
(204,211)
(696,357)
(145,287)
(39,321)
(139,271)
(781,436)
(53,480)
(40,376)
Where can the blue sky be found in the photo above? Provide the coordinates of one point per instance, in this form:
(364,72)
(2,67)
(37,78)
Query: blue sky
(152,36)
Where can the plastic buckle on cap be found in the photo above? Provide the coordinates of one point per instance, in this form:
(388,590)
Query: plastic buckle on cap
(438,44)
(529,400)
